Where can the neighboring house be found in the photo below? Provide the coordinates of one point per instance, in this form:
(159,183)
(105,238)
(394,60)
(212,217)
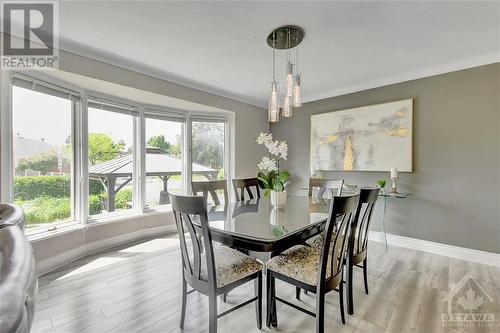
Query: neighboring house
(27,147)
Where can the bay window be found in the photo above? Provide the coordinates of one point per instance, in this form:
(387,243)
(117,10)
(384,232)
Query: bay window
(70,156)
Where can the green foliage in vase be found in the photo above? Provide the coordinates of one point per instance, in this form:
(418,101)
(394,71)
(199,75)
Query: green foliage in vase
(381,183)
(274,180)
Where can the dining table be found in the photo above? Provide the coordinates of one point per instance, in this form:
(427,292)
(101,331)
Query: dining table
(255,225)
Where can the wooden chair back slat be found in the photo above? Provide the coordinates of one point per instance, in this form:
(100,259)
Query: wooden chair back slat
(341,213)
(331,186)
(211,187)
(361,226)
(240,185)
(185,208)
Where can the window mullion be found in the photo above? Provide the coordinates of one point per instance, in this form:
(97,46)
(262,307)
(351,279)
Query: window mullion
(6,148)
(140,162)
(75,156)
(84,161)
(188,168)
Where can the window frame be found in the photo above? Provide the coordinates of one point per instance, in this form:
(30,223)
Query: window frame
(6,134)
(171,115)
(80,167)
(227,156)
(116,107)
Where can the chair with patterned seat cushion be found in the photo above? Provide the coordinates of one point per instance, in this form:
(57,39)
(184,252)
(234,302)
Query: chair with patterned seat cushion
(216,270)
(358,243)
(316,270)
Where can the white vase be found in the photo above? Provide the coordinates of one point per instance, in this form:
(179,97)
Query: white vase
(278,199)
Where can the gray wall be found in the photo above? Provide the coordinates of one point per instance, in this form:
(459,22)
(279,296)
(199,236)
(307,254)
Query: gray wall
(456,150)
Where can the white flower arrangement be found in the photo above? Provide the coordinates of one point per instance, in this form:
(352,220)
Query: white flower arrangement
(267,164)
(274,180)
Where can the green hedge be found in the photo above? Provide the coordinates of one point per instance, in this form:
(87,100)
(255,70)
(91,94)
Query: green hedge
(46,209)
(46,199)
(94,204)
(31,187)
(122,198)
(95,187)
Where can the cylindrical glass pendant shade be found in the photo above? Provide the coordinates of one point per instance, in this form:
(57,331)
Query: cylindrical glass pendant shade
(289,80)
(273,105)
(287,107)
(297,98)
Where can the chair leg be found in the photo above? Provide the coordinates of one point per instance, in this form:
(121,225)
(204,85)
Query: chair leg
(269,298)
(212,313)
(341,300)
(320,311)
(258,303)
(365,274)
(297,293)
(184,296)
(274,311)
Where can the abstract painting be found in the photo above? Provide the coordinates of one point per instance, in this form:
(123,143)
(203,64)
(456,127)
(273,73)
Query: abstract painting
(368,138)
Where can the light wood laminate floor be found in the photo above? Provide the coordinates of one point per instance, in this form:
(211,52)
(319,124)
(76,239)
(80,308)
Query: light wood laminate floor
(137,289)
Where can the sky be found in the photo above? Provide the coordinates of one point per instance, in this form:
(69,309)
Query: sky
(52,120)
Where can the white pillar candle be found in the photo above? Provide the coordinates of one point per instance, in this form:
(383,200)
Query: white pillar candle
(394,172)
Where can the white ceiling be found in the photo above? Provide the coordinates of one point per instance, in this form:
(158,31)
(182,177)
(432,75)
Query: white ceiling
(220,47)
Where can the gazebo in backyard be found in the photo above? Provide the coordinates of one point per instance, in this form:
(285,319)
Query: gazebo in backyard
(157,164)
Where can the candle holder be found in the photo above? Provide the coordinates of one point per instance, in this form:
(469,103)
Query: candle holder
(394,188)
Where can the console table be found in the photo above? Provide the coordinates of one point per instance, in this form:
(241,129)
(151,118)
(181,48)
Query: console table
(389,196)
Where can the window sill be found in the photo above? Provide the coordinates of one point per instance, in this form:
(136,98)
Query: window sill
(112,218)
(60,230)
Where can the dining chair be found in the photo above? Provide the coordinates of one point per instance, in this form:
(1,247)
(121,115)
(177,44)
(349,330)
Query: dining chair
(317,190)
(216,270)
(331,187)
(211,186)
(358,243)
(360,231)
(318,271)
(240,185)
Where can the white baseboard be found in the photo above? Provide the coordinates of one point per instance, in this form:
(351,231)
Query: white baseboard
(47,265)
(481,257)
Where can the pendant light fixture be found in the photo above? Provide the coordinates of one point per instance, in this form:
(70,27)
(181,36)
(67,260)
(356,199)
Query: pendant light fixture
(297,98)
(287,100)
(285,38)
(274,112)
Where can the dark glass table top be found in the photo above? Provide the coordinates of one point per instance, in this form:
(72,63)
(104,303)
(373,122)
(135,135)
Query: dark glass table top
(258,221)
